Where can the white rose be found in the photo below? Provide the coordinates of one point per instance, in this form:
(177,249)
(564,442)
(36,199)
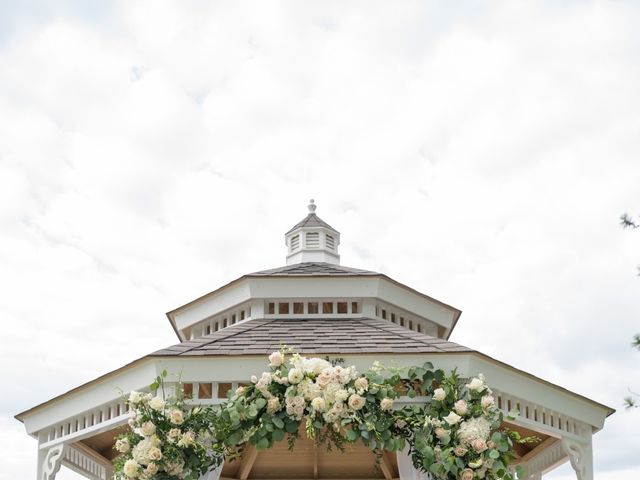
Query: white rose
(356,402)
(315,365)
(254,379)
(476,384)
(131,468)
(147,429)
(487,401)
(439,394)
(318,404)
(135,397)
(176,416)
(295,376)
(386,404)
(156,403)
(174,434)
(154,453)
(452,418)
(123,445)
(187,439)
(151,469)
(276,359)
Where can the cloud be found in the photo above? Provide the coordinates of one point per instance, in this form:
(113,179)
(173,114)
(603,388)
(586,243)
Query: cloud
(481,154)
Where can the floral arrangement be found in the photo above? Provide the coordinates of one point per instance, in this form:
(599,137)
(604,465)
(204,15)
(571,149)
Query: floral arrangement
(167,440)
(335,404)
(457,434)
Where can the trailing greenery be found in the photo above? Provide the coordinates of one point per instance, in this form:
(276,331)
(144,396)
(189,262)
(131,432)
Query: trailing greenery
(457,433)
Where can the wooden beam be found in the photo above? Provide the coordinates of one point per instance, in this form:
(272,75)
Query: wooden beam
(539,448)
(315,461)
(248,459)
(387,467)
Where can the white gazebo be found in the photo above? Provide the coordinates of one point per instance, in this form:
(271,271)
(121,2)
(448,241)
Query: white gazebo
(318,307)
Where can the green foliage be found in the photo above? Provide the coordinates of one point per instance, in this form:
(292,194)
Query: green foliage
(335,406)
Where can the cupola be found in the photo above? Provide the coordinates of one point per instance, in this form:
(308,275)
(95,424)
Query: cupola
(312,240)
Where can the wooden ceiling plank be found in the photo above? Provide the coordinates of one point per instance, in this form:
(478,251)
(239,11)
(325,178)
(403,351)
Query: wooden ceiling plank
(248,459)
(386,467)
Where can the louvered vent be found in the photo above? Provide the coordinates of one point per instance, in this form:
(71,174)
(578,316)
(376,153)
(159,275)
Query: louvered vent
(331,243)
(312,240)
(295,243)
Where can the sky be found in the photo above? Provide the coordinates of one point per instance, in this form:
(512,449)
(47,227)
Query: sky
(480,152)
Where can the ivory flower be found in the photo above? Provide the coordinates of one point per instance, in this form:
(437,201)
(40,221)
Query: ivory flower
(156,403)
(386,404)
(318,404)
(239,390)
(441,432)
(147,429)
(135,397)
(123,445)
(476,385)
(361,384)
(151,469)
(131,468)
(273,405)
(295,376)
(439,394)
(476,464)
(154,453)
(276,359)
(452,418)
(460,451)
(176,416)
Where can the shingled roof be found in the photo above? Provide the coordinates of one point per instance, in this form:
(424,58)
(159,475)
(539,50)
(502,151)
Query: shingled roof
(312,336)
(311,220)
(313,268)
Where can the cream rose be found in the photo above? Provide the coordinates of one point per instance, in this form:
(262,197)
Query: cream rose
(151,469)
(467,474)
(386,404)
(356,402)
(487,401)
(439,394)
(276,359)
(460,451)
(324,379)
(479,445)
(122,445)
(147,429)
(295,376)
(154,453)
(239,391)
(476,464)
(361,384)
(441,432)
(273,405)
(156,403)
(131,468)
(461,407)
(176,416)
(174,434)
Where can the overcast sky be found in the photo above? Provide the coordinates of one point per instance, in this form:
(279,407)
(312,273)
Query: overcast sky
(482,154)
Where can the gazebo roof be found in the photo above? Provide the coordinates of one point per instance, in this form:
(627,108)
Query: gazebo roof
(311,336)
(321,269)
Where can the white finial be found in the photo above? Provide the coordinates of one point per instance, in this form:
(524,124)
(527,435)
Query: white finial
(311,206)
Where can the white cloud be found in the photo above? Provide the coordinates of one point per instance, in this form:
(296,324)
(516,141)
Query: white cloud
(480,154)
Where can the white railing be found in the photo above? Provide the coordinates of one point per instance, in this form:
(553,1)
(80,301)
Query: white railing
(85,463)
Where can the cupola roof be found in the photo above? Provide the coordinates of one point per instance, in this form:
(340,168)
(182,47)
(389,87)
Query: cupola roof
(312,240)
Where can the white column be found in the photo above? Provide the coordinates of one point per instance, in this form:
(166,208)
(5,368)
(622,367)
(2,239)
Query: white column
(406,470)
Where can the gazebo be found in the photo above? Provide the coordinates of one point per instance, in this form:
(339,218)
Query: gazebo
(318,307)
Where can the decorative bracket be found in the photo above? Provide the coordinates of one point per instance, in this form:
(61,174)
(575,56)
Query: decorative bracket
(581,457)
(52,462)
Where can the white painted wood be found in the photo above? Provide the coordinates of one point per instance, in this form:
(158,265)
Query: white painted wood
(406,470)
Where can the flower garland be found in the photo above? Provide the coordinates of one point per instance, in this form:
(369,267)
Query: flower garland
(456,435)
